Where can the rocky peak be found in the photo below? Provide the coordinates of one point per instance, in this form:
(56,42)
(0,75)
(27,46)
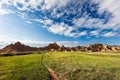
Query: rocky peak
(18,43)
(62,48)
(53,46)
(18,47)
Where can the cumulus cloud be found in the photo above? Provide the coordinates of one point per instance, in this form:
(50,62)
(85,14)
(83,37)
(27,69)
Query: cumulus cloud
(73,18)
(57,28)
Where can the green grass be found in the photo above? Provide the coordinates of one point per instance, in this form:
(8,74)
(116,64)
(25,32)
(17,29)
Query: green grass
(72,65)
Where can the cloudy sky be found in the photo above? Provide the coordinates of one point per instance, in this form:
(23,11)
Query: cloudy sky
(63,21)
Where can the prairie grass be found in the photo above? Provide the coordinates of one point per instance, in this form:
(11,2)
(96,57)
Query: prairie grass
(72,65)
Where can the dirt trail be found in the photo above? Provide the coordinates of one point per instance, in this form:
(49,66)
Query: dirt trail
(52,74)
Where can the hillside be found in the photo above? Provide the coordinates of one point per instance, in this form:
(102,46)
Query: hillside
(19,47)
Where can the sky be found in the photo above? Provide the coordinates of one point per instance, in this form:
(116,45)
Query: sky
(67,22)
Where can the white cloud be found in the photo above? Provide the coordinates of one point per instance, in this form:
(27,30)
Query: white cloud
(68,32)
(57,28)
(25,5)
(2,10)
(54,4)
(29,22)
(112,6)
(83,33)
(95,33)
(91,23)
(48,22)
(110,34)
(78,34)
(63,29)
(79,22)
(49,4)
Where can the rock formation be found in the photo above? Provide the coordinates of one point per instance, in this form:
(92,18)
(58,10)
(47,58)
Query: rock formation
(52,47)
(18,47)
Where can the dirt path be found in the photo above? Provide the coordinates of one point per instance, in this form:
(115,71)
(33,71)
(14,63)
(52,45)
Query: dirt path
(52,74)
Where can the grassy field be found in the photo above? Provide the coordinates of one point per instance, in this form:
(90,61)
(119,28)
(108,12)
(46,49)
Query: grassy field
(71,65)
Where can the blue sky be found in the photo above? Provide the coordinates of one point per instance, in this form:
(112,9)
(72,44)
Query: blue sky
(71,22)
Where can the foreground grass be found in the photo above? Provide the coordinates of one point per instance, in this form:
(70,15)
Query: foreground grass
(72,65)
